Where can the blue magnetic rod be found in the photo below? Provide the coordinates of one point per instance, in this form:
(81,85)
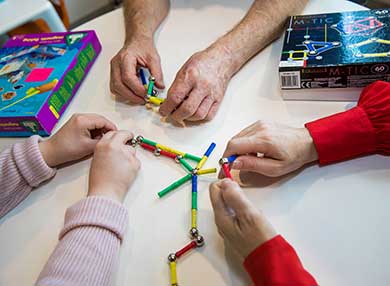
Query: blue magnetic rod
(209,150)
(232,158)
(194,183)
(143,77)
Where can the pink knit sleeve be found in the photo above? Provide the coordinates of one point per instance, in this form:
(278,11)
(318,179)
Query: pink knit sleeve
(87,253)
(22,168)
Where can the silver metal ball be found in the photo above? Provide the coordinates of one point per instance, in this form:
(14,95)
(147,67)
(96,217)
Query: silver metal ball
(194,232)
(199,241)
(195,171)
(172,257)
(223,161)
(155,92)
(178,158)
(133,142)
(152,78)
(157,152)
(139,139)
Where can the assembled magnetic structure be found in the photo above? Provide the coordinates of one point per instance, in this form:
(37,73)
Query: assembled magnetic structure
(151,93)
(182,158)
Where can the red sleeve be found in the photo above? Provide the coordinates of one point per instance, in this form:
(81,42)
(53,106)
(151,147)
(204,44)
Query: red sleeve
(275,263)
(359,131)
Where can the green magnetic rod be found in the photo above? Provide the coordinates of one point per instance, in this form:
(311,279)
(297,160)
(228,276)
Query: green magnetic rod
(162,147)
(185,164)
(175,185)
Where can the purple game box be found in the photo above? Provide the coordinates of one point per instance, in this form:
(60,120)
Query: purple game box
(39,76)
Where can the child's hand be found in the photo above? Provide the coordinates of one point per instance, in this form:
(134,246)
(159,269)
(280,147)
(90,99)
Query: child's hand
(238,221)
(76,139)
(114,166)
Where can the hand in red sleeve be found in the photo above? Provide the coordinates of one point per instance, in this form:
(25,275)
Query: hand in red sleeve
(359,131)
(284,149)
(238,221)
(269,259)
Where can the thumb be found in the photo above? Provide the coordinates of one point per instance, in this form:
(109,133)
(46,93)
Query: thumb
(265,166)
(234,198)
(156,71)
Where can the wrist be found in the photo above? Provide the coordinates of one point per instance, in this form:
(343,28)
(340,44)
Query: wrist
(222,57)
(107,192)
(229,58)
(140,38)
(309,150)
(48,153)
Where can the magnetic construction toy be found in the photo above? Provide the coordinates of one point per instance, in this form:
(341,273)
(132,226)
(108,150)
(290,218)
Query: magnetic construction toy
(197,240)
(151,94)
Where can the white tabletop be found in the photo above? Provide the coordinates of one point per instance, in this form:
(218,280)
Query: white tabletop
(336,216)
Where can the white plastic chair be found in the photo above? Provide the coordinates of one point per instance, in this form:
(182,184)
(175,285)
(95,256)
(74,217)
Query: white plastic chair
(14,13)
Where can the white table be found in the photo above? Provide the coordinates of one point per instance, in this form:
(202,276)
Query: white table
(14,13)
(336,216)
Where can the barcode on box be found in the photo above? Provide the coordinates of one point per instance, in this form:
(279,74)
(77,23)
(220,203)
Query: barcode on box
(290,79)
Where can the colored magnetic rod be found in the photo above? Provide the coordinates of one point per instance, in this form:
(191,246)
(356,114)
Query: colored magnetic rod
(232,158)
(168,149)
(155,100)
(194,202)
(225,167)
(184,163)
(143,78)
(206,156)
(157,151)
(152,80)
(183,180)
(172,267)
(175,185)
(197,242)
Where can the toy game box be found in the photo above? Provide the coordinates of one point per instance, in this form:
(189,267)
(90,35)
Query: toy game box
(39,76)
(333,56)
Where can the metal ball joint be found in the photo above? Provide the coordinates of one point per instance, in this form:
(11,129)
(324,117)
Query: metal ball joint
(194,232)
(223,161)
(194,171)
(199,241)
(178,158)
(139,139)
(157,152)
(133,142)
(172,257)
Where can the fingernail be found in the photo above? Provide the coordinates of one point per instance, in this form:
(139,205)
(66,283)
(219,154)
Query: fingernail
(237,164)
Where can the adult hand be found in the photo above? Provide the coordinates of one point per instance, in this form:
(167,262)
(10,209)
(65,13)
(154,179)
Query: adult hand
(283,149)
(124,81)
(199,87)
(238,221)
(114,166)
(76,139)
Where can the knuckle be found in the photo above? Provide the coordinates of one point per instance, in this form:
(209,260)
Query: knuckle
(260,124)
(200,114)
(175,98)
(78,118)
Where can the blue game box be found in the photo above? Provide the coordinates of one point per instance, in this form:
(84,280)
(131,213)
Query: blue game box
(333,56)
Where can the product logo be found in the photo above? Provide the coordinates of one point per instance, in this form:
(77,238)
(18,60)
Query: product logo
(380,68)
